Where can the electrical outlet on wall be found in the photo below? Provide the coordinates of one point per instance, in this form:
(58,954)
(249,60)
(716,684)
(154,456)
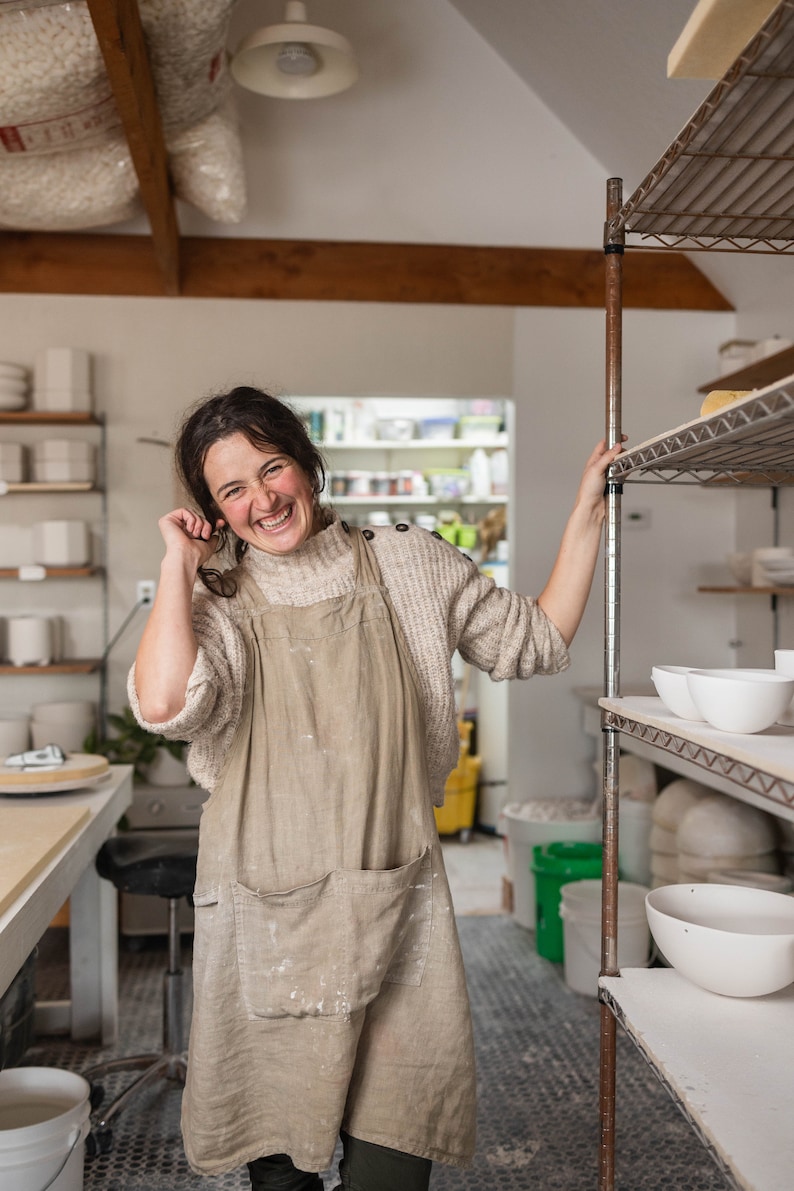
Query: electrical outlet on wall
(145,591)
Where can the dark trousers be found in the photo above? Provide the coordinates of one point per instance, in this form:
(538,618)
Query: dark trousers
(364,1167)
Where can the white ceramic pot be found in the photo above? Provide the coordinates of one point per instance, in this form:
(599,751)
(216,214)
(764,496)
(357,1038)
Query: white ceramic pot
(61,543)
(30,640)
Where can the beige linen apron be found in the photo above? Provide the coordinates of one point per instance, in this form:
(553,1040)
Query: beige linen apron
(328,983)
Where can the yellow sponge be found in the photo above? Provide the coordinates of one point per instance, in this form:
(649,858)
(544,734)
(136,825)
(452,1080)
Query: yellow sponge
(717,398)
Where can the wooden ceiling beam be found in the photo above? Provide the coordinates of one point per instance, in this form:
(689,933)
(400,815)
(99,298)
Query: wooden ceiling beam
(119,32)
(322,270)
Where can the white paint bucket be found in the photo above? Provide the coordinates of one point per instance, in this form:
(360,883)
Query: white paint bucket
(525,831)
(580,910)
(43,1126)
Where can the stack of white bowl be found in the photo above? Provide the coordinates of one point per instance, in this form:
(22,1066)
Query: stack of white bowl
(13,462)
(722,833)
(13,386)
(63,460)
(61,543)
(62,380)
(65,723)
(670,807)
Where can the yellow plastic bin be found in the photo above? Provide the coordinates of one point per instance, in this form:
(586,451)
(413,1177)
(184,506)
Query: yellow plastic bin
(460,797)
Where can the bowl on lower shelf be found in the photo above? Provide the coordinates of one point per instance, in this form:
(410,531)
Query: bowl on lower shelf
(740,700)
(728,939)
(672,688)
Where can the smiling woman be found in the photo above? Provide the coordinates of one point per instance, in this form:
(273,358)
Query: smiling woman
(313,678)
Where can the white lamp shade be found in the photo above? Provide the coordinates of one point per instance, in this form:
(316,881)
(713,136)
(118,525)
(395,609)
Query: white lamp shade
(255,63)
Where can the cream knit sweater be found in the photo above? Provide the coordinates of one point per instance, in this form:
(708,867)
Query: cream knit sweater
(441,599)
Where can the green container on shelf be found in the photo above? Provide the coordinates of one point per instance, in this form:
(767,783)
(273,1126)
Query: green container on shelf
(555,865)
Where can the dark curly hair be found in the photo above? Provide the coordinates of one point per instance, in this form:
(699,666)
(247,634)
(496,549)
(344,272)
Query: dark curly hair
(266,422)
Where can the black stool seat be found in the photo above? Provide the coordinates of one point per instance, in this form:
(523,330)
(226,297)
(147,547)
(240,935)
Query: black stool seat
(160,868)
(137,863)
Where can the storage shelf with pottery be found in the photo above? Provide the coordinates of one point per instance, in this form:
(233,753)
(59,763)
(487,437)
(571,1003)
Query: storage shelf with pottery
(708,1050)
(38,421)
(428,501)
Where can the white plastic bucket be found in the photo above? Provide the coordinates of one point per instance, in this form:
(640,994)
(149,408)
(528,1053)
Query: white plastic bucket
(634,841)
(522,836)
(580,910)
(43,1126)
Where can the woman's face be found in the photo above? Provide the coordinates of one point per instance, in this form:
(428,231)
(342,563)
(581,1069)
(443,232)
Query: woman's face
(263,496)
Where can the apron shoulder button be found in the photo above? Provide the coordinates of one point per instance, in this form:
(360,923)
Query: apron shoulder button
(368,534)
(402,527)
(345,526)
(436,534)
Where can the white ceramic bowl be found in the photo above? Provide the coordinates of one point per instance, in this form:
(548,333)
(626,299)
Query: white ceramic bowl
(672,689)
(731,940)
(740,700)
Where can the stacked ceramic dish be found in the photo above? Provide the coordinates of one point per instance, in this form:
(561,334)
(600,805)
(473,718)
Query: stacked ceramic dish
(62,380)
(667,812)
(718,833)
(14,386)
(739,700)
(61,460)
(772,566)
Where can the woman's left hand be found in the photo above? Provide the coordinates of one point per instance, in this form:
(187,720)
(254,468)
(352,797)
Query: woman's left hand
(591,487)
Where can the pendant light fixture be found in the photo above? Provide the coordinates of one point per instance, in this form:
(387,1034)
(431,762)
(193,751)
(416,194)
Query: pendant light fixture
(294,60)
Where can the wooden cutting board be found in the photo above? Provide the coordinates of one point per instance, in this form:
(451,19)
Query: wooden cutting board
(29,838)
(76,767)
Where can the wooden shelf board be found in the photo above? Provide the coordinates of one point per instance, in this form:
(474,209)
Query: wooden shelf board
(40,417)
(784,591)
(34,486)
(755,375)
(53,573)
(71,666)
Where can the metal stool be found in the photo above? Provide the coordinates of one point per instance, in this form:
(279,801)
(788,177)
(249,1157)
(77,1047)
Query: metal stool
(160,869)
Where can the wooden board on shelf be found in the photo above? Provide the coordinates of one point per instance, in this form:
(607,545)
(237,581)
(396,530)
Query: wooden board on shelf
(51,573)
(41,486)
(756,375)
(41,417)
(715,34)
(71,666)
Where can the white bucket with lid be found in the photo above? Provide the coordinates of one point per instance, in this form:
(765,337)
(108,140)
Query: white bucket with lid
(542,822)
(580,911)
(43,1126)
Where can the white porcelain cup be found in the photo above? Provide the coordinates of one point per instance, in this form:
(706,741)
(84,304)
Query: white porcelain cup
(29,640)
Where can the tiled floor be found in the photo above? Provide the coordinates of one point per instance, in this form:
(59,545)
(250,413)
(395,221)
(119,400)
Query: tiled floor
(475,870)
(537,1057)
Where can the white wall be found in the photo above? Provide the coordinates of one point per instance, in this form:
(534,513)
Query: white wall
(559,404)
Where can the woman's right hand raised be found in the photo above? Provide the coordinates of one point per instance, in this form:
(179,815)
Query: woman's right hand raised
(189,536)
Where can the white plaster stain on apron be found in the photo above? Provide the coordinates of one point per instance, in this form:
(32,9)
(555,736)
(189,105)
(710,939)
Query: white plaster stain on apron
(328,984)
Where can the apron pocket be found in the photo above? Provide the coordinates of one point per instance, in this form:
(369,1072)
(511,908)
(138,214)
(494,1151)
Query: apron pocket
(324,949)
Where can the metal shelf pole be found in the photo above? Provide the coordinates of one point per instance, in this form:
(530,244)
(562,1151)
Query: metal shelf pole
(613,253)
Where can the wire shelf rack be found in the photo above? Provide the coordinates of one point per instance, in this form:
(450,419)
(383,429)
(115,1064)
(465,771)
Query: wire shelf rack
(749,442)
(727,180)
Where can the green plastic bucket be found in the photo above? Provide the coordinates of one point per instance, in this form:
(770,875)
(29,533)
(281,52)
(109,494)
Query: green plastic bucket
(555,865)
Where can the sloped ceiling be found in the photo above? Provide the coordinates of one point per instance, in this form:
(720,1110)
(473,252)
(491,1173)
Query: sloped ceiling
(598,65)
(601,67)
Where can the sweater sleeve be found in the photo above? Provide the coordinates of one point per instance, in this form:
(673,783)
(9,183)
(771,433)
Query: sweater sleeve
(214,693)
(506,634)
